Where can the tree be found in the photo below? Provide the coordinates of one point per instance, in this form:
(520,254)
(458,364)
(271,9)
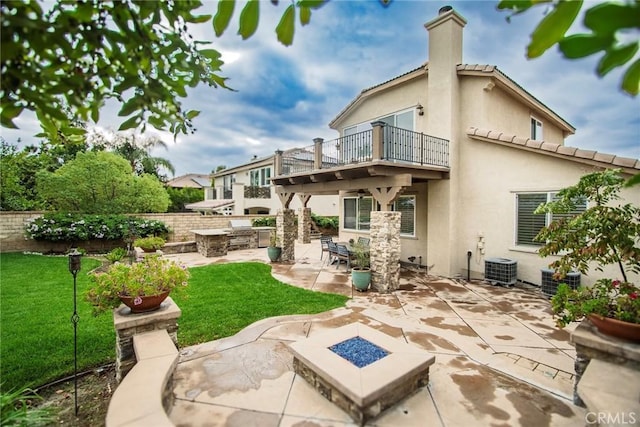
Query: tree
(12,192)
(182,196)
(608,25)
(604,233)
(79,54)
(136,149)
(100,182)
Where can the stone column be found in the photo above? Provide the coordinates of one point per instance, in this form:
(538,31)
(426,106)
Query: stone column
(304,225)
(127,325)
(385,250)
(285,233)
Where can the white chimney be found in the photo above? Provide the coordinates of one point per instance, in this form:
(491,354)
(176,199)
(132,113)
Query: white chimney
(445,53)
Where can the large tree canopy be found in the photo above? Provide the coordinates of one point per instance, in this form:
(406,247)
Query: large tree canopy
(101,182)
(612,29)
(77,55)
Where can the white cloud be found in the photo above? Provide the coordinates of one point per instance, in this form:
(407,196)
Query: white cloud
(286,96)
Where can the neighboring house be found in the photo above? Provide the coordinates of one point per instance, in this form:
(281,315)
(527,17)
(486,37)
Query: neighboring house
(461,150)
(246,189)
(191,180)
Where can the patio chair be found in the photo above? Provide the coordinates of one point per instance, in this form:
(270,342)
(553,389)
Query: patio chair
(363,241)
(343,255)
(323,243)
(333,251)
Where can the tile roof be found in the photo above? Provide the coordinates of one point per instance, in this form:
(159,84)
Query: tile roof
(604,160)
(209,204)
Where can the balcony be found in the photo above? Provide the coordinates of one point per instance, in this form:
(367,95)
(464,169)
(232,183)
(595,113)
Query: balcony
(381,151)
(256,192)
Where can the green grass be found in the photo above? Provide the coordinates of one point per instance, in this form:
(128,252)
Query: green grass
(36,303)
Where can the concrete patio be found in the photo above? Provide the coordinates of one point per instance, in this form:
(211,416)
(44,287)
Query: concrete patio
(499,359)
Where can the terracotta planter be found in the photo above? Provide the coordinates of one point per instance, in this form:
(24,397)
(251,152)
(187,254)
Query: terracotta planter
(616,328)
(143,304)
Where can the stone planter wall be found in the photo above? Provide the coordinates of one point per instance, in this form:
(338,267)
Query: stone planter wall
(128,325)
(13,239)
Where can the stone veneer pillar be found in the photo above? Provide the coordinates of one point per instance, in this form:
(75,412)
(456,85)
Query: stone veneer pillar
(304,225)
(127,325)
(286,232)
(385,250)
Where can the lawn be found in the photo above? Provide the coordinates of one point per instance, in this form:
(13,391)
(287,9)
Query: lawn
(36,303)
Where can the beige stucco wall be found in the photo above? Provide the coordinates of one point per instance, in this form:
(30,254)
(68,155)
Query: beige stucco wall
(486,177)
(492,175)
(407,95)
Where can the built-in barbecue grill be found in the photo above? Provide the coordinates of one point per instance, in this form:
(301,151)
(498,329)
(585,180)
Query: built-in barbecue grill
(241,235)
(240,224)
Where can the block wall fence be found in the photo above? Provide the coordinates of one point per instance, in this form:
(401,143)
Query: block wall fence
(13,239)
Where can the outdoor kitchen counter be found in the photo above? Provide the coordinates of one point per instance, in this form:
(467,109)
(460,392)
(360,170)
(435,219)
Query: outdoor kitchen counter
(212,242)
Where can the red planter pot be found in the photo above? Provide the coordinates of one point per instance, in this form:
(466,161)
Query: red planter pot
(144,304)
(616,328)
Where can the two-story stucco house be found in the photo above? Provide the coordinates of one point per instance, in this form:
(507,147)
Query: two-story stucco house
(442,161)
(246,189)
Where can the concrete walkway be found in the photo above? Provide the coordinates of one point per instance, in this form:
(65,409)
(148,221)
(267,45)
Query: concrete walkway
(499,358)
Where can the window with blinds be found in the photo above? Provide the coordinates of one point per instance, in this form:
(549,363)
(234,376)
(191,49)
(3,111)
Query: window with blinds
(357,213)
(529,224)
(407,206)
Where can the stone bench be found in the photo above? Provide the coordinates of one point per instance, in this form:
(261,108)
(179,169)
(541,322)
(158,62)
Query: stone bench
(145,393)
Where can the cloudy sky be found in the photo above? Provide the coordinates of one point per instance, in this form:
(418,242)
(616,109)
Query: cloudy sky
(286,96)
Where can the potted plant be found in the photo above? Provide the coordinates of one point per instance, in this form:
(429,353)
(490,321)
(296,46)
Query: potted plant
(360,271)
(274,250)
(149,244)
(600,235)
(611,305)
(142,286)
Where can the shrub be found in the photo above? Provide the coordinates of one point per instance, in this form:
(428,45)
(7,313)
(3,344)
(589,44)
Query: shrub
(16,409)
(327,222)
(180,197)
(116,255)
(267,221)
(76,227)
(148,243)
(609,298)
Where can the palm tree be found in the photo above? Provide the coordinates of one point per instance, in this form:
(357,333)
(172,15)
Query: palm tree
(137,149)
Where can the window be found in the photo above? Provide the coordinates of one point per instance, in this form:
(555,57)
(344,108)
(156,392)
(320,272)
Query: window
(536,129)
(528,224)
(402,120)
(228,181)
(260,177)
(357,213)
(407,206)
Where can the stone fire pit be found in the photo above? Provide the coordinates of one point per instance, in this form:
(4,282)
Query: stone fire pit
(390,369)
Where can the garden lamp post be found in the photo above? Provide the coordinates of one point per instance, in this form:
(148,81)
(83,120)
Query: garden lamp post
(75,263)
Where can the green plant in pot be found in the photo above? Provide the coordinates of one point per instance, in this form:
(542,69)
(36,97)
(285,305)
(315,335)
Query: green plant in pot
(603,234)
(360,267)
(149,244)
(142,286)
(274,250)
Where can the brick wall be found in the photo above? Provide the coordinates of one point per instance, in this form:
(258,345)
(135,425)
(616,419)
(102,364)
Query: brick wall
(12,237)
